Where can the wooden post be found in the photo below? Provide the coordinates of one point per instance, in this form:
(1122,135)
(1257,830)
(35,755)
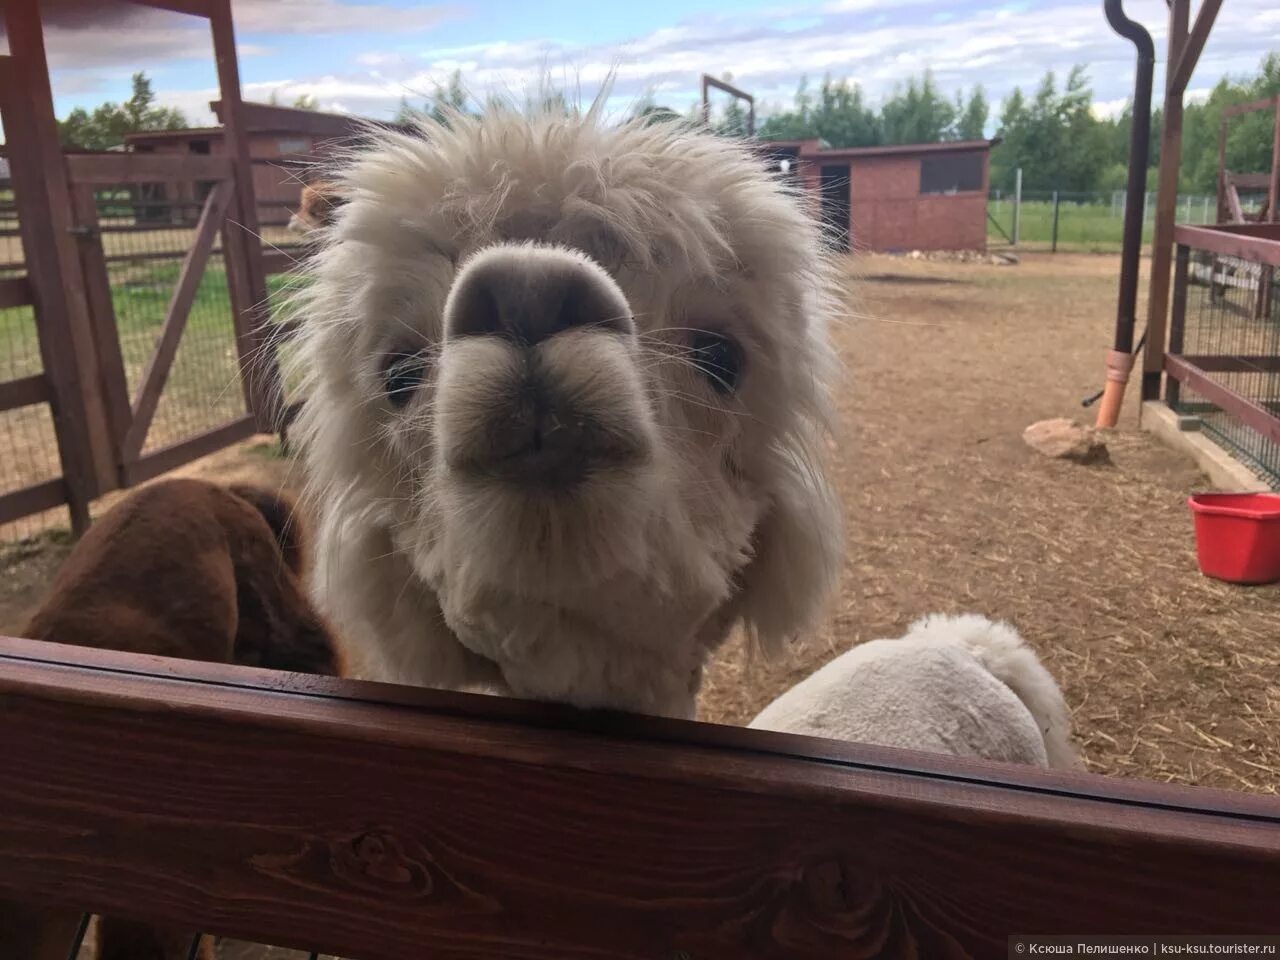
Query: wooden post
(1178,326)
(43,197)
(1166,198)
(97,279)
(241,245)
(1267,275)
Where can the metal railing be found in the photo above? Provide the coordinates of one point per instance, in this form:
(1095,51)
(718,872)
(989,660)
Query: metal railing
(1223,358)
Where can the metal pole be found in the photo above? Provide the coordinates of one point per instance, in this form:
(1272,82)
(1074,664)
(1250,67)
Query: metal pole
(1017,204)
(1120,358)
(1055,222)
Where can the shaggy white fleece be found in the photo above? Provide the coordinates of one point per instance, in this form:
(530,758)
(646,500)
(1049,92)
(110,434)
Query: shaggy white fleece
(963,685)
(568,408)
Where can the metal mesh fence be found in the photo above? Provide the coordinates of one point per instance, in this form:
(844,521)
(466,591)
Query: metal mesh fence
(1080,222)
(145,232)
(1232,333)
(144,240)
(28,446)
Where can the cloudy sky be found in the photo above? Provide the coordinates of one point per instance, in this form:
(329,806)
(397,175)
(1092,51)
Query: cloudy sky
(362,57)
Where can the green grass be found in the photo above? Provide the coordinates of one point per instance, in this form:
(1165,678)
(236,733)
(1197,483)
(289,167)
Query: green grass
(203,388)
(1093,227)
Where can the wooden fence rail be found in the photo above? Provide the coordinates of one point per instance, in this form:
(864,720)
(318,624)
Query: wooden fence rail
(389,823)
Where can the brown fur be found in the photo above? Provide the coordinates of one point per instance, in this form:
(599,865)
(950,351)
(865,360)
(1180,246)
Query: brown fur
(317,207)
(181,568)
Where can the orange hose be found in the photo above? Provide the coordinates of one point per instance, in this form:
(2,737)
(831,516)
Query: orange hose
(1119,365)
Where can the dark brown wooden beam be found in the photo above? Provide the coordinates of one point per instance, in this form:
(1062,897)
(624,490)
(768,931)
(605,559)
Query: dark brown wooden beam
(107,169)
(241,238)
(25,392)
(1242,243)
(1194,46)
(152,465)
(1166,209)
(1267,103)
(391,823)
(1253,416)
(42,194)
(175,319)
(1261,363)
(15,292)
(35,498)
(102,314)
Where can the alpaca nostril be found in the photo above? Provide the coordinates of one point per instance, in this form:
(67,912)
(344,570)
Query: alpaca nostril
(530,294)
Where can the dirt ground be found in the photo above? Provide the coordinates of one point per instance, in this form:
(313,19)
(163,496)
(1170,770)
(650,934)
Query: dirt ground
(1170,676)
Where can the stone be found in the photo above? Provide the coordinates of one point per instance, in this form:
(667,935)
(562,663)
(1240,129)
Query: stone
(1065,439)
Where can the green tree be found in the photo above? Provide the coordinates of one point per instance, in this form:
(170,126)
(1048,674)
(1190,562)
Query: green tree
(1055,138)
(305,102)
(971,116)
(1249,136)
(109,123)
(838,115)
(917,113)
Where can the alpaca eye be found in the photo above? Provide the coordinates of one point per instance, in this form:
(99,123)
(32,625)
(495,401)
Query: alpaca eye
(402,374)
(719,359)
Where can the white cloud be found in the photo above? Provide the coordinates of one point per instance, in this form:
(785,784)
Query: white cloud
(877,43)
(873,42)
(332,16)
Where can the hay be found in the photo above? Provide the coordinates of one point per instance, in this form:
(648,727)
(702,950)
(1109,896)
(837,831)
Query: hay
(1171,677)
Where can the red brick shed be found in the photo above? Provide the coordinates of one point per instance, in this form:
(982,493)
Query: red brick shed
(921,196)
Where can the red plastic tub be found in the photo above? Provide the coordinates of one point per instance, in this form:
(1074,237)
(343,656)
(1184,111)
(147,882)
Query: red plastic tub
(1238,536)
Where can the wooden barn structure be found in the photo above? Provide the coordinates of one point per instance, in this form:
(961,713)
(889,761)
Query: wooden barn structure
(924,196)
(388,823)
(1212,349)
(74,211)
(284,145)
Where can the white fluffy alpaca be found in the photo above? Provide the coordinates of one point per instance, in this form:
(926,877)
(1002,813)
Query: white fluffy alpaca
(963,685)
(567,409)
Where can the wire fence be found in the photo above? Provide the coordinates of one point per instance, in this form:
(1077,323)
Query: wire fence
(1080,222)
(144,233)
(28,448)
(1231,332)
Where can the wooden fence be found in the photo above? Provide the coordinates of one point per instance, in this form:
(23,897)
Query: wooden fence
(101,424)
(391,823)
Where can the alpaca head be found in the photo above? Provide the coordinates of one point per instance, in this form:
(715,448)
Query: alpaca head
(567,409)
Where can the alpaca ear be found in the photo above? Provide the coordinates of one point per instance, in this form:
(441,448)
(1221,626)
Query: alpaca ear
(798,549)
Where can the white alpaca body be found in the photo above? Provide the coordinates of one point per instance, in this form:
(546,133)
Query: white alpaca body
(964,686)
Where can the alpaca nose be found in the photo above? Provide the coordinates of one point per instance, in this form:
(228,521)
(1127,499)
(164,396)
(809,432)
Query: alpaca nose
(529,294)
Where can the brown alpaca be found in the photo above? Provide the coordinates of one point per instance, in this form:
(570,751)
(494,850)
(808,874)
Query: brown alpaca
(181,568)
(317,207)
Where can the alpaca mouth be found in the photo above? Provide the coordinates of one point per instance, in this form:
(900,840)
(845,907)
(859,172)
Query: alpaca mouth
(547,450)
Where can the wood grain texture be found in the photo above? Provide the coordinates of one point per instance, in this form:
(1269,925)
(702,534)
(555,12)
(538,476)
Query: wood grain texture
(170,457)
(34,498)
(388,824)
(111,169)
(25,392)
(102,314)
(15,292)
(1255,246)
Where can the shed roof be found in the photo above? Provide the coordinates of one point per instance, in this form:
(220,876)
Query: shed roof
(812,149)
